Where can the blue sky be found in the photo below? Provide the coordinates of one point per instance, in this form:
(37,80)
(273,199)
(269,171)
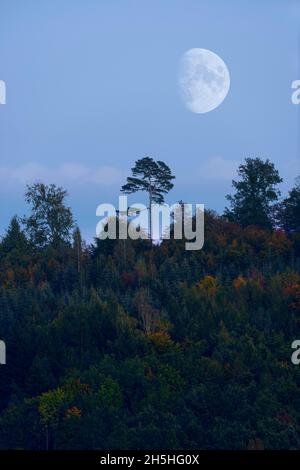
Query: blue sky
(93,85)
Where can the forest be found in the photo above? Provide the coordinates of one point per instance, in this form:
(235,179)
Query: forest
(126,344)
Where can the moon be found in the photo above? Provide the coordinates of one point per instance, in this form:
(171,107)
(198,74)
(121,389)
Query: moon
(204,80)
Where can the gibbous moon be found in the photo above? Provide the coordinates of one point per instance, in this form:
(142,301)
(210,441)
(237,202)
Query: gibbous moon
(204,80)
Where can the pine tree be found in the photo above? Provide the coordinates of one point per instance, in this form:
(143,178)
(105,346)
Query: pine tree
(14,238)
(150,176)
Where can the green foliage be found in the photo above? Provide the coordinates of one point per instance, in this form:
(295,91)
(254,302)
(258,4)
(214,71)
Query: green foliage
(255,193)
(289,210)
(14,240)
(150,176)
(139,346)
(50,221)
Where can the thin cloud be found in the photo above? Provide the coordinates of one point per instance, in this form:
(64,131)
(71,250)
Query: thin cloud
(65,174)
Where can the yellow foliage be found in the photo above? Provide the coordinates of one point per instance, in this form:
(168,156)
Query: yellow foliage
(161,340)
(208,284)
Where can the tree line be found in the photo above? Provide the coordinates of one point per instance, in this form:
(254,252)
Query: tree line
(123,344)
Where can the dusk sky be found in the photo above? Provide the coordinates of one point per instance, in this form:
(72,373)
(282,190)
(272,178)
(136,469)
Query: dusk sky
(93,85)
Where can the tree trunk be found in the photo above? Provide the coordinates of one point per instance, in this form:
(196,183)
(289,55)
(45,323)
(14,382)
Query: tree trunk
(150,215)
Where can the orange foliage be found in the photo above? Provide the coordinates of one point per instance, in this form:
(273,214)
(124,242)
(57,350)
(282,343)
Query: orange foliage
(291,289)
(234,243)
(239,282)
(279,242)
(73,412)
